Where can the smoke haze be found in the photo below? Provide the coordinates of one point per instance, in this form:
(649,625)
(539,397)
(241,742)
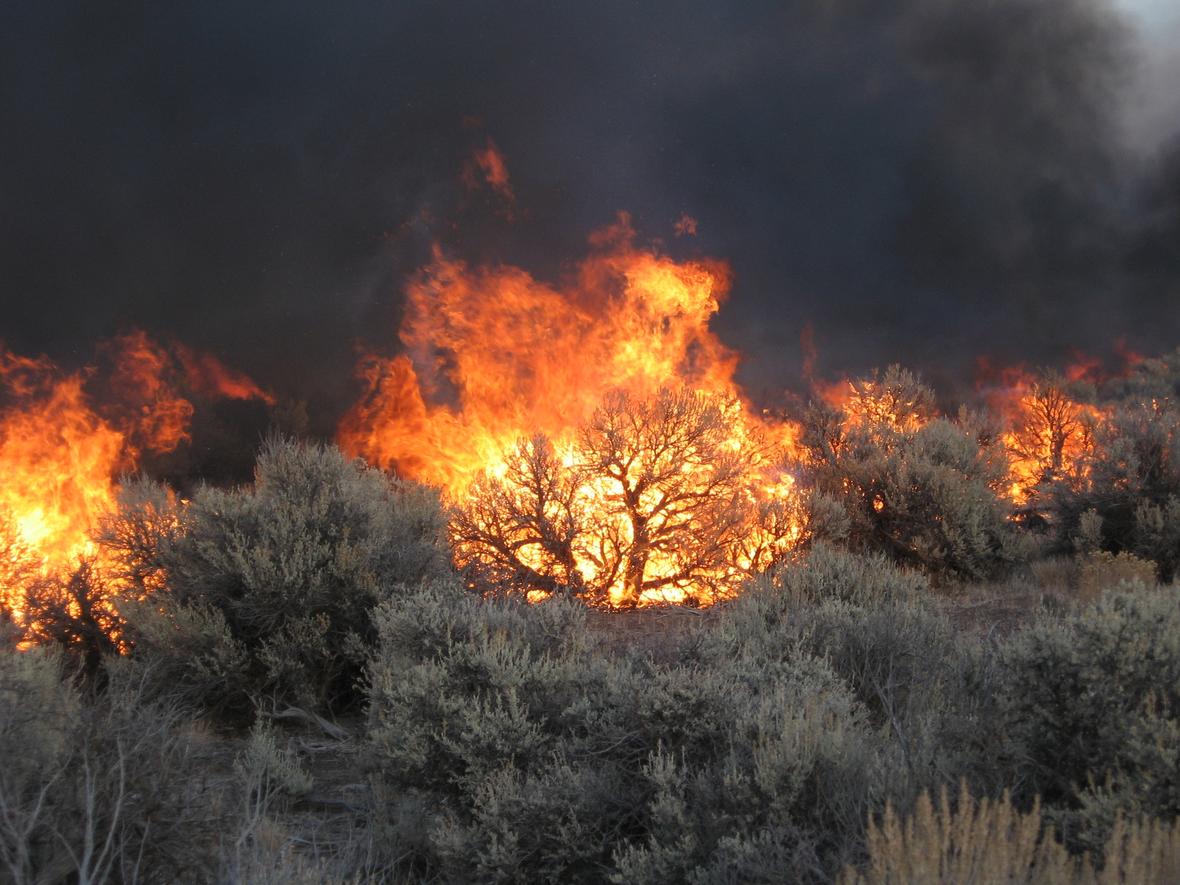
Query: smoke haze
(923,181)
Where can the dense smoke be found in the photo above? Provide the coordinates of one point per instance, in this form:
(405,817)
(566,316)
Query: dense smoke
(923,181)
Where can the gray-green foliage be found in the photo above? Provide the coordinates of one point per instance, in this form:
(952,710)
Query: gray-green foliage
(268,590)
(922,490)
(1090,703)
(99,788)
(1156,535)
(544,757)
(924,685)
(1132,483)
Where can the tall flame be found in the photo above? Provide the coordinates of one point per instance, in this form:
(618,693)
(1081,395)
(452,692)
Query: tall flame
(62,448)
(494,355)
(57,457)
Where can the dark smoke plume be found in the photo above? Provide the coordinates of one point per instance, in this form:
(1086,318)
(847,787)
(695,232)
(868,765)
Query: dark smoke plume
(920,181)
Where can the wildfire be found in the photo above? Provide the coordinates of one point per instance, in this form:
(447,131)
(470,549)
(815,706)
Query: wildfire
(58,457)
(895,400)
(62,449)
(495,356)
(1048,433)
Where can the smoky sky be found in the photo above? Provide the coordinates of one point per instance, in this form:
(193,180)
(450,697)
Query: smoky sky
(923,181)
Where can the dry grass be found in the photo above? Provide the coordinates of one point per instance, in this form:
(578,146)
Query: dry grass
(1102,571)
(982,842)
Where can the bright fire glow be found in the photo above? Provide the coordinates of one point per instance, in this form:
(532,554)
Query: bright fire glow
(62,449)
(494,356)
(1047,433)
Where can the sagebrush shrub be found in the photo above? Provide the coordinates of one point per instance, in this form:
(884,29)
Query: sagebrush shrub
(100,787)
(546,757)
(268,590)
(925,685)
(1089,704)
(1157,535)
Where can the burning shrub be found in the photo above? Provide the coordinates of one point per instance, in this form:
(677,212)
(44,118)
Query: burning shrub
(76,609)
(273,585)
(1096,695)
(1049,438)
(146,520)
(18,570)
(541,756)
(657,500)
(895,401)
(66,436)
(922,490)
(1133,482)
(74,612)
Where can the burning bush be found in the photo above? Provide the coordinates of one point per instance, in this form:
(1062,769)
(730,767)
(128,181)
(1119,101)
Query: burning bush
(895,401)
(657,500)
(1133,483)
(922,489)
(1048,424)
(74,612)
(269,589)
(498,399)
(64,439)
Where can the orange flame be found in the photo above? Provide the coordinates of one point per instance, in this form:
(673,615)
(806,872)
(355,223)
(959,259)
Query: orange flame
(58,457)
(156,416)
(208,377)
(492,168)
(61,449)
(1047,432)
(495,355)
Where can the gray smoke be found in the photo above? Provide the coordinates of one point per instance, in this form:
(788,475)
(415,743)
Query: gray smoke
(922,181)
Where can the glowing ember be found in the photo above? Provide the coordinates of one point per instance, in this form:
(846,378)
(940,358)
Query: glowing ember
(495,356)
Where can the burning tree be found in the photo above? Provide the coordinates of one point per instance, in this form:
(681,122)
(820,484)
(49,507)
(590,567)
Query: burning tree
(498,399)
(656,499)
(1049,437)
